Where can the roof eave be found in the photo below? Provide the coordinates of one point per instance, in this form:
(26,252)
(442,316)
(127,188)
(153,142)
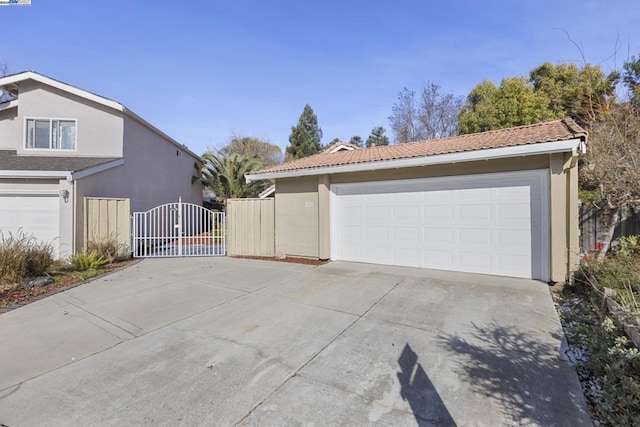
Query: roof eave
(32,75)
(571,145)
(31,174)
(62,174)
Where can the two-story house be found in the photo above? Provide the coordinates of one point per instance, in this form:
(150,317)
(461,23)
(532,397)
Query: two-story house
(60,143)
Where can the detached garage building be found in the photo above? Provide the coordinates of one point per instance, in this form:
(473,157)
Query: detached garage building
(502,202)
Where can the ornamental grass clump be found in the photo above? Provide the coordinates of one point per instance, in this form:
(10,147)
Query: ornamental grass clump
(22,256)
(88,260)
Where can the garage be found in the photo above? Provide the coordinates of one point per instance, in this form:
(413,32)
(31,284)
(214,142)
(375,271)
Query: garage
(487,223)
(501,202)
(35,214)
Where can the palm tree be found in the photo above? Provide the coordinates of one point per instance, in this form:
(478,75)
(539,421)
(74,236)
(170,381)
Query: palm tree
(224,174)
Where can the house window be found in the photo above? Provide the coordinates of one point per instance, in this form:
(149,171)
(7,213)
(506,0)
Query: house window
(51,134)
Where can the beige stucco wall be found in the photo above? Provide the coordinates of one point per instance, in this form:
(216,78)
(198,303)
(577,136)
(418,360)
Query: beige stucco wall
(9,129)
(297,216)
(99,129)
(154,172)
(305,231)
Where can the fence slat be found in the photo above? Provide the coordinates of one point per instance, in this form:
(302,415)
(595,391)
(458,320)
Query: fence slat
(251,227)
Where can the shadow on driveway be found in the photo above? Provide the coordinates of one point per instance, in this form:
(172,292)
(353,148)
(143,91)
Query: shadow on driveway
(417,389)
(522,374)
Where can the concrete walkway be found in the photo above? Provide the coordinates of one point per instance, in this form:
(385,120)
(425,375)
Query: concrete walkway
(220,341)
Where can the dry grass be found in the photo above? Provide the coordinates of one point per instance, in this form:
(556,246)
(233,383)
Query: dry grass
(21,256)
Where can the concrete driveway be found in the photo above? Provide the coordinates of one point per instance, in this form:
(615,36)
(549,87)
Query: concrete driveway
(221,341)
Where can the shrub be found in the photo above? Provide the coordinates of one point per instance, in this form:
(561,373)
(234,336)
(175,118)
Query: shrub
(85,260)
(620,272)
(616,363)
(107,247)
(22,255)
(628,246)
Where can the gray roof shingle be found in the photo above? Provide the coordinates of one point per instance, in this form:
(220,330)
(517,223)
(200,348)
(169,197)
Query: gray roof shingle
(11,161)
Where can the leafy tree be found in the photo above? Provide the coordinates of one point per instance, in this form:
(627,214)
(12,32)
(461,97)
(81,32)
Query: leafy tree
(428,115)
(305,136)
(513,103)
(631,78)
(270,154)
(377,137)
(580,93)
(224,175)
(356,140)
(609,173)
(4,70)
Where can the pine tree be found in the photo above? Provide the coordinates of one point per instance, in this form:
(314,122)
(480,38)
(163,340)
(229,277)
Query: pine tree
(305,136)
(377,137)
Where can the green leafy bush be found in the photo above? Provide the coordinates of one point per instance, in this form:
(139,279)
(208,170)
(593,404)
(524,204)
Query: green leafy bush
(628,246)
(606,361)
(615,361)
(88,260)
(22,256)
(619,272)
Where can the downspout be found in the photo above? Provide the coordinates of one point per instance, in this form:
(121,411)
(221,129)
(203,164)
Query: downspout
(73,212)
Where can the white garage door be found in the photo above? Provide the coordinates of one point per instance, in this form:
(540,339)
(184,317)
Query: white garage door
(33,214)
(490,223)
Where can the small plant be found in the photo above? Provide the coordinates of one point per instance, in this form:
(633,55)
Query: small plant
(628,246)
(22,255)
(107,247)
(88,260)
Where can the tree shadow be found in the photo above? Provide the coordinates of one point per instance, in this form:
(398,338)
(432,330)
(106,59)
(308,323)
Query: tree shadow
(418,390)
(523,376)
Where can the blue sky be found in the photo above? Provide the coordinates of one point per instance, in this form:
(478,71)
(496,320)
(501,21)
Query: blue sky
(203,70)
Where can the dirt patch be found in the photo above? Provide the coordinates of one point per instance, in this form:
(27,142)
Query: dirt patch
(294,260)
(13,296)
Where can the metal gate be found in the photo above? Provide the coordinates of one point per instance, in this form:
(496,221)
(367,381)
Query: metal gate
(177,230)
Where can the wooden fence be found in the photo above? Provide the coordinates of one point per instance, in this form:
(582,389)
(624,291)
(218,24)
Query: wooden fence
(107,218)
(251,227)
(593,226)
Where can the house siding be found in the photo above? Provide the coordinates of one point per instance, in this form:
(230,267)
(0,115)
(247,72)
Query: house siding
(99,129)
(297,217)
(155,172)
(10,129)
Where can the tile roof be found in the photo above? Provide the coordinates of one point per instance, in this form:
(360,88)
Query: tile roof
(558,130)
(11,161)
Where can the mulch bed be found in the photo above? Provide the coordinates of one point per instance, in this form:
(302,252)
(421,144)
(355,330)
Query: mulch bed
(294,260)
(12,297)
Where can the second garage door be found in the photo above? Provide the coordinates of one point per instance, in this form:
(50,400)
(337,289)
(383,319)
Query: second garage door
(490,223)
(36,215)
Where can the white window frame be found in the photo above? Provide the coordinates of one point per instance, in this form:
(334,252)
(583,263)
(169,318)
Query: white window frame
(50,120)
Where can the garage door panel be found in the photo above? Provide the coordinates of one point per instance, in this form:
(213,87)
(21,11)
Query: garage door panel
(475,213)
(406,235)
(474,261)
(406,256)
(406,213)
(490,223)
(377,235)
(438,212)
(514,210)
(514,238)
(475,236)
(377,214)
(376,254)
(36,215)
(438,259)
